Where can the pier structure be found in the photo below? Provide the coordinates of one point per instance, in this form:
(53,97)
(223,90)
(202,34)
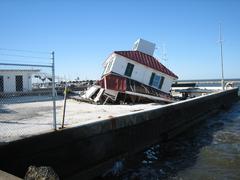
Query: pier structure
(210,83)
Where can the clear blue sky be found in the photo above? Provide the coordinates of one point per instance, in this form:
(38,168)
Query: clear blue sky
(84,33)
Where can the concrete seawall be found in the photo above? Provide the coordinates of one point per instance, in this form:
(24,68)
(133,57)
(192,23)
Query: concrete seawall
(83,152)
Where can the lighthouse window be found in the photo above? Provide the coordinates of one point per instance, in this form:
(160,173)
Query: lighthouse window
(161,82)
(129,69)
(156,81)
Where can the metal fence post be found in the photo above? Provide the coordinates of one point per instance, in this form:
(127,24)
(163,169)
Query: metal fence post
(53,92)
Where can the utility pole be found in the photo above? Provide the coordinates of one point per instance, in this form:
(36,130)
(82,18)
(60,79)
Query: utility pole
(53,92)
(221,48)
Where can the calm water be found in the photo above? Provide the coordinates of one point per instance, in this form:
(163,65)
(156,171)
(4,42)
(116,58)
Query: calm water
(210,151)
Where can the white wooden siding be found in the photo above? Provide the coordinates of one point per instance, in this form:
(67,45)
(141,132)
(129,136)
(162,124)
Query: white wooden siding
(106,63)
(140,72)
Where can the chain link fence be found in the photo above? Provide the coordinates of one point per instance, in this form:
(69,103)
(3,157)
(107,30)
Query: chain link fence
(27,94)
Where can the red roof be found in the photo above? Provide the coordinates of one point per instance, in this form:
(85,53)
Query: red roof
(146,60)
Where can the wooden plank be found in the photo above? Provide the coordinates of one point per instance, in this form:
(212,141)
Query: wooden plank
(149,97)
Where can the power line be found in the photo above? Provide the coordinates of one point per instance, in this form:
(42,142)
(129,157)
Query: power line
(21,61)
(28,51)
(16,55)
(34,65)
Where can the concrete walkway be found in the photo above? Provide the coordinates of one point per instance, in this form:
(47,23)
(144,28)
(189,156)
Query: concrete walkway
(19,120)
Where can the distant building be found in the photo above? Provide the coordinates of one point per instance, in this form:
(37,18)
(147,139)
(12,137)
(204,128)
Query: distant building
(12,80)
